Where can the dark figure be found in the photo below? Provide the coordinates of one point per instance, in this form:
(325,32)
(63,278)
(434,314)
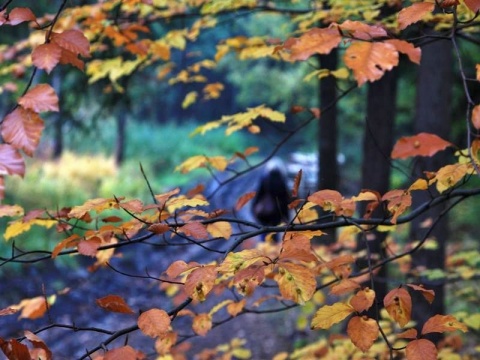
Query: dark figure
(270,205)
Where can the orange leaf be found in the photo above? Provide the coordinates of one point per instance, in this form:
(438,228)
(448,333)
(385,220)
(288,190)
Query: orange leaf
(360,30)
(11,162)
(476,117)
(429,295)
(154,322)
(178,267)
(369,61)
(421,349)
(158,228)
(363,332)
(442,323)
(345,286)
(194,229)
(398,202)
(164,343)
(473,5)
(363,300)
(241,260)
(40,98)
(296,183)
(413,53)
(414,13)
(202,323)
(297,247)
(329,200)
(69,57)
(296,282)
(409,334)
(22,129)
(19,15)
(89,247)
(38,344)
(245,198)
(236,307)
(200,281)
(398,304)
(14,350)
(123,353)
(114,303)
(69,242)
(46,56)
(329,315)
(423,144)
(73,41)
(449,175)
(314,41)
(33,308)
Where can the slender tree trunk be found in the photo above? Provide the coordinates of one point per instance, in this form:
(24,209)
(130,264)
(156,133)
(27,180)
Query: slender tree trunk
(58,121)
(328,174)
(433,115)
(377,146)
(120,141)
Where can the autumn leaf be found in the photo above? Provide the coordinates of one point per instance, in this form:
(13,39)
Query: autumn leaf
(165,342)
(369,61)
(398,201)
(202,323)
(362,31)
(296,282)
(241,260)
(329,315)
(404,47)
(363,300)
(154,322)
(69,242)
(189,99)
(345,286)
(11,162)
(429,295)
(314,41)
(421,349)
(40,98)
(236,308)
(46,56)
(22,128)
(414,13)
(200,161)
(19,15)
(398,304)
(476,117)
(449,175)
(297,247)
(11,210)
(114,303)
(328,200)
(159,228)
(33,308)
(98,204)
(423,144)
(73,41)
(14,350)
(39,344)
(473,5)
(363,332)
(442,323)
(122,353)
(220,229)
(408,334)
(17,227)
(89,247)
(244,199)
(200,281)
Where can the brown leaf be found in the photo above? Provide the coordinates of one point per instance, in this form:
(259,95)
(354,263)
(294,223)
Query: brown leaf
(369,61)
(399,201)
(408,334)
(114,303)
(40,98)
(154,322)
(363,332)
(14,350)
(8,311)
(414,13)
(314,41)
(38,344)
(20,14)
(73,41)
(429,295)
(33,308)
(442,323)
(244,199)
(68,57)
(363,300)
(46,56)
(69,242)
(158,228)
(398,304)
(202,323)
(11,162)
(421,349)
(22,129)
(423,144)
(122,353)
(200,281)
(476,117)
(165,342)
(296,183)
(194,229)
(328,200)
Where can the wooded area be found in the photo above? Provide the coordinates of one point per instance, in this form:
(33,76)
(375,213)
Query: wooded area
(308,182)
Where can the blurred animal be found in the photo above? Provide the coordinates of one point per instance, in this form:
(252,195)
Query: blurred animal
(270,204)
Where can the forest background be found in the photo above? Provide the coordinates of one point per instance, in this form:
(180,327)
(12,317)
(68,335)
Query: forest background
(157,71)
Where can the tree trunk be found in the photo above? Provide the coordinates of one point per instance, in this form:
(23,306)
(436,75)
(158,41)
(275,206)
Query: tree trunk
(58,120)
(432,114)
(377,146)
(120,141)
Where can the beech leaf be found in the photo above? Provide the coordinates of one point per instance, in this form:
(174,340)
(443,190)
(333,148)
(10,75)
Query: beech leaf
(363,300)
(14,350)
(200,281)
(473,5)
(369,61)
(442,323)
(421,349)
(363,332)
(413,53)
(476,117)
(46,56)
(22,129)
(122,353)
(414,13)
(314,41)
(114,303)
(398,304)
(40,98)
(296,282)
(202,323)
(329,315)
(422,144)
(154,322)
(20,14)
(11,162)
(73,41)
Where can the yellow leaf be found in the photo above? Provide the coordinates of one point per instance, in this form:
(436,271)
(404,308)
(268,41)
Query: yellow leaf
(98,204)
(296,282)
(200,161)
(18,227)
(399,305)
(221,229)
(449,175)
(341,73)
(329,315)
(240,260)
(11,210)
(202,323)
(190,98)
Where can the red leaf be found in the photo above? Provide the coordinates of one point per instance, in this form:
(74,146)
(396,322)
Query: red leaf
(473,5)
(46,56)
(423,144)
(73,41)
(40,98)
(114,303)
(22,129)
(14,350)
(11,162)
(20,14)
